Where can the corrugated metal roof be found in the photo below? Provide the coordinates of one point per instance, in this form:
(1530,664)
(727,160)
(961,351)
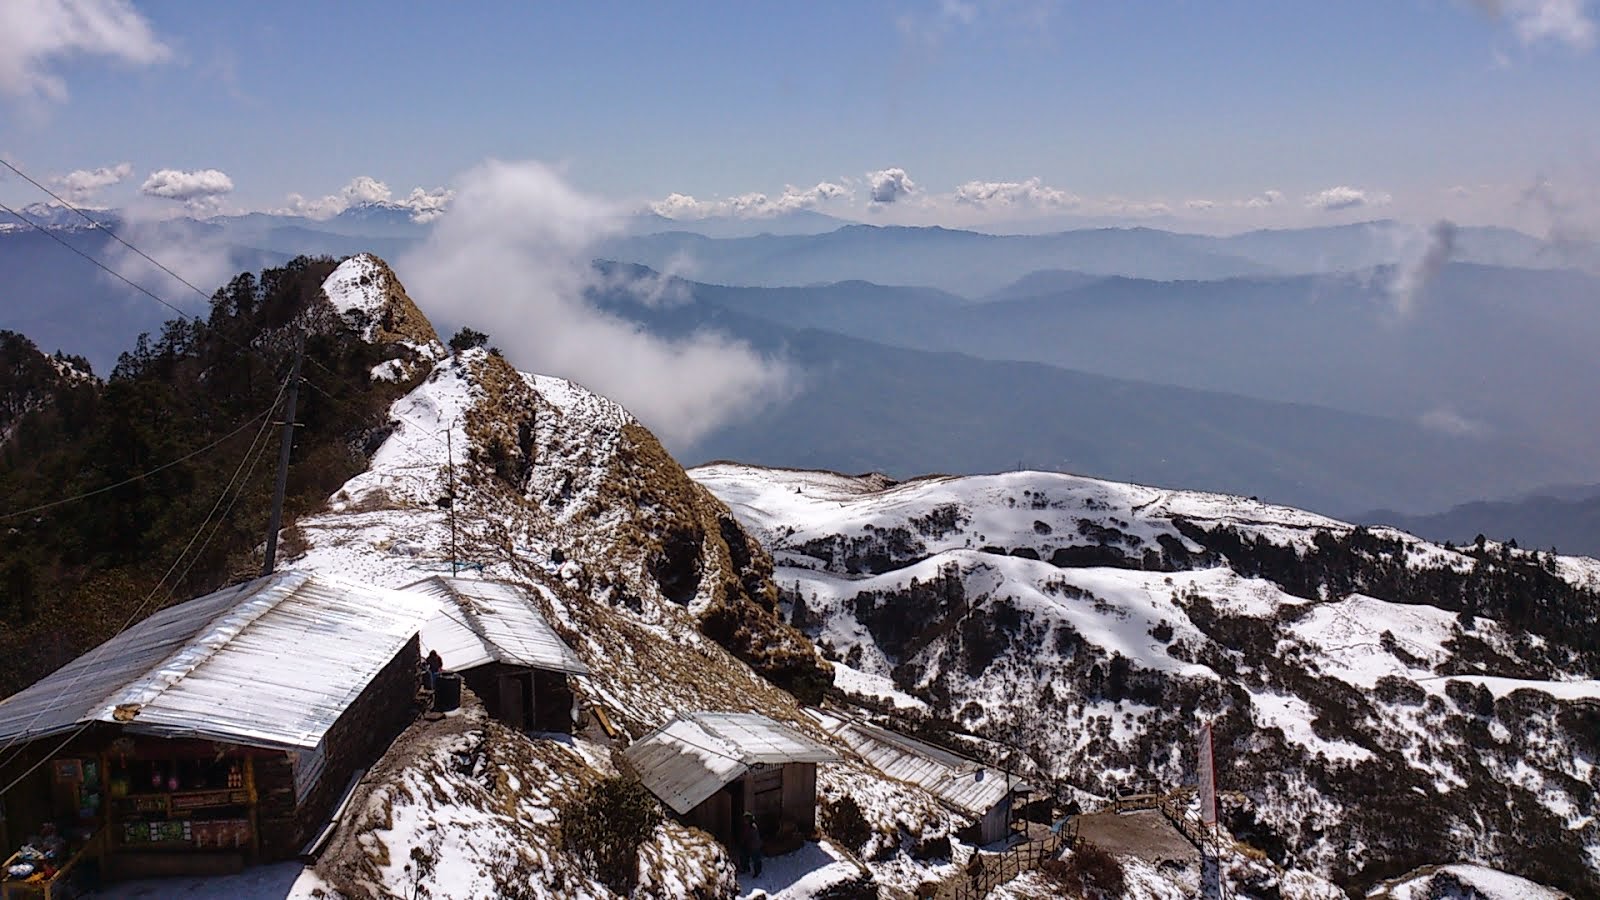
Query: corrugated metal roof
(693,756)
(490,621)
(961,783)
(272,662)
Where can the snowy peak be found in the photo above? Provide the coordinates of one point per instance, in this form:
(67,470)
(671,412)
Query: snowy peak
(56,217)
(364,286)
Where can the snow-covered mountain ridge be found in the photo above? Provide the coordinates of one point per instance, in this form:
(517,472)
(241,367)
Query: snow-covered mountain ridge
(643,573)
(1380,702)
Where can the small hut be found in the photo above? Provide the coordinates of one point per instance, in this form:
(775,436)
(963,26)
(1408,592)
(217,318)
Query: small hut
(217,732)
(495,637)
(981,793)
(711,768)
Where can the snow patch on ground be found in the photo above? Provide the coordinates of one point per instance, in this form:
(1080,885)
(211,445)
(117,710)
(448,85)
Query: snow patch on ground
(877,687)
(1491,884)
(354,287)
(1293,715)
(807,872)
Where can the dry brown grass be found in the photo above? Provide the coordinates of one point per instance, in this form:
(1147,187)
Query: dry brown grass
(401,320)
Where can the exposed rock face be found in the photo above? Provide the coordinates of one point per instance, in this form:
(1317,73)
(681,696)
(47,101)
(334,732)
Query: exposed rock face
(599,488)
(366,286)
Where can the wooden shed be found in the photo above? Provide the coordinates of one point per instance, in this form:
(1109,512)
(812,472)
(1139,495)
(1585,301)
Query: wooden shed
(711,768)
(218,732)
(494,636)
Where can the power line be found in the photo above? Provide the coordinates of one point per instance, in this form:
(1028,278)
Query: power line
(124,279)
(101,226)
(254,458)
(143,475)
(146,291)
(97,263)
(249,453)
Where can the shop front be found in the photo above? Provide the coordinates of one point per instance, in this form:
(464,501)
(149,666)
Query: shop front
(134,806)
(213,735)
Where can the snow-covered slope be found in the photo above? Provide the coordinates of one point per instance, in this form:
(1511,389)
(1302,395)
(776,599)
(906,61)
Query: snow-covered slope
(1462,881)
(1380,702)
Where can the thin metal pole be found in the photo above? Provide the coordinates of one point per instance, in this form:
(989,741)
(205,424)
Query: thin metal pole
(286,444)
(450,448)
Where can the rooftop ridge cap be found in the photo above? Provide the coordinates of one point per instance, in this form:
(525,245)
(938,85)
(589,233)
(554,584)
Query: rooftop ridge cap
(468,607)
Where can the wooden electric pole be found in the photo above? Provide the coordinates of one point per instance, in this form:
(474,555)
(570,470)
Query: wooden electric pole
(285,445)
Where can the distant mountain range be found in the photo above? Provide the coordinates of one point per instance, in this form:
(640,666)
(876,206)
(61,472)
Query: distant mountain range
(1307,388)
(975,265)
(1484,349)
(1566,519)
(864,406)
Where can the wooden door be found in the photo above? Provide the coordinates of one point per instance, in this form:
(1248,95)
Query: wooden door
(513,700)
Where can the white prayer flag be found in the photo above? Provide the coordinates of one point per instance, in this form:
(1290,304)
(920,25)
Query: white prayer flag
(1208,778)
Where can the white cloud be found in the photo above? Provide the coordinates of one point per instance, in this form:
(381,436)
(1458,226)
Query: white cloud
(930,29)
(425,205)
(1535,21)
(1200,205)
(1344,197)
(1031,193)
(513,259)
(1263,200)
(80,186)
(754,205)
(428,205)
(200,190)
(1122,206)
(201,255)
(889,185)
(36,36)
(1448,421)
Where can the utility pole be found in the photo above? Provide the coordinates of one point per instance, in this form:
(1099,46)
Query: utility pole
(450,449)
(287,443)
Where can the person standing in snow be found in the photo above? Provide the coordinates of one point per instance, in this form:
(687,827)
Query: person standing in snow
(750,845)
(435,666)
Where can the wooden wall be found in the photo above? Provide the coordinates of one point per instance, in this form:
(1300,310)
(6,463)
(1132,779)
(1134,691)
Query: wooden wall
(776,794)
(551,703)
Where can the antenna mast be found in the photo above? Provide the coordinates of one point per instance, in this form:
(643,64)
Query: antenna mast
(450,448)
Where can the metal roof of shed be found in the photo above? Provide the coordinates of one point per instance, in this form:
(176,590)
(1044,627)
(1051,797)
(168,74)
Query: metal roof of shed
(693,756)
(272,662)
(482,622)
(961,783)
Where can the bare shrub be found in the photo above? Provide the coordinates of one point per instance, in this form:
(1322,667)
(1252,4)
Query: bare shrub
(604,827)
(842,820)
(1090,871)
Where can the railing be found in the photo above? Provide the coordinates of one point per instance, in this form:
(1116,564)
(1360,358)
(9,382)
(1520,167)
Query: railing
(1189,826)
(1136,795)
(988,871)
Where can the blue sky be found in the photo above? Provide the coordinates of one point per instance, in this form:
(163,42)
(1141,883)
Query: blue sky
(1231,111)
